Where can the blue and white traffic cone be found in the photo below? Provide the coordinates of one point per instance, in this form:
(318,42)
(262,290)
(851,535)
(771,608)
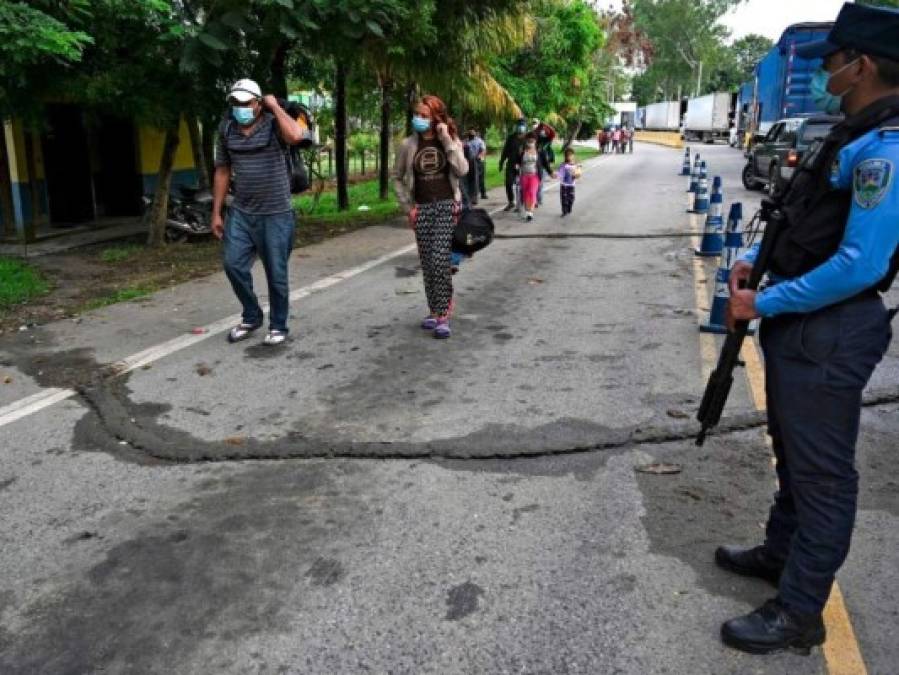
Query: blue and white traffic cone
(685,167)
(716,322)
(713,237)
(701,197)
(693,183)
(733,248)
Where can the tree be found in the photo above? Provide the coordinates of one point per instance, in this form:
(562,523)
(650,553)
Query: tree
(548,79)
(749,50)
(686,40)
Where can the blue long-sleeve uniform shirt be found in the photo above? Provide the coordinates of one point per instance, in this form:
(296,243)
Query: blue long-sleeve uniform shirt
(868,167)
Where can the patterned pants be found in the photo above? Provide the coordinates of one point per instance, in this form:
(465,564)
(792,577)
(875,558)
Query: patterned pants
(566,192)
(434,234)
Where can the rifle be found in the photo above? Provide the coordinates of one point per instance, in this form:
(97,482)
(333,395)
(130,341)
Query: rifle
(722,378)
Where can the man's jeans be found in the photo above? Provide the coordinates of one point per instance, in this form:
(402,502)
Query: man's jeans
(271,238)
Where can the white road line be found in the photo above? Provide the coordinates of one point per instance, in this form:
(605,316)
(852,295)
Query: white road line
(32,404)
(47,397)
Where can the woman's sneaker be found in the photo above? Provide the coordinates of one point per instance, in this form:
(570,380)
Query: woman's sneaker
(442,330)
(274,338)
(429,323)
(241,332)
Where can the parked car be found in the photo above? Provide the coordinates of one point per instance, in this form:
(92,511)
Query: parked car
(773,158)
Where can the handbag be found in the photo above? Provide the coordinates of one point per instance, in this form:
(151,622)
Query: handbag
(473,232)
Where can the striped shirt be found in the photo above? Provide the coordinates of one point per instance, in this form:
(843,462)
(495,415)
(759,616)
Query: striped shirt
(258,167)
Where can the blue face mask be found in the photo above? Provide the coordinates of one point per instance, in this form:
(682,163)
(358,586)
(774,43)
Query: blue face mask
(420,124)
(242,114)
(826,101)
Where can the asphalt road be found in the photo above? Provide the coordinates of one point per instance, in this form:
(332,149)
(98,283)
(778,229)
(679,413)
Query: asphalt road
(368,499)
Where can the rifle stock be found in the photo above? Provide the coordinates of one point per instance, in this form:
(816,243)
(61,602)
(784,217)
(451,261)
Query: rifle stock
(722,378)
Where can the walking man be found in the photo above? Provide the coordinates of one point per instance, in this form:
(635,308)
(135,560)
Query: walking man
(824,328)
(509,158)
(477,142)
(250,153)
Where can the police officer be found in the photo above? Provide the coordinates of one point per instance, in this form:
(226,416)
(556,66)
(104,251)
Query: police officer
(824,328)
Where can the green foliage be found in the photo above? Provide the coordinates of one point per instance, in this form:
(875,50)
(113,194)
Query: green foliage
(119,295)
(553,74)
(687,47)
(19,282)
(879,3)
(120,253)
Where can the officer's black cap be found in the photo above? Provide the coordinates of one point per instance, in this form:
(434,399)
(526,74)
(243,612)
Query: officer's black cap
(870,30)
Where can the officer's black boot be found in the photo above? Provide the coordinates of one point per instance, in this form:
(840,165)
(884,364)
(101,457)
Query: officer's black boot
(750,562)
(773,627)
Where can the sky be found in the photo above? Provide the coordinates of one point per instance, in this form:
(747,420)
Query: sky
(769,17)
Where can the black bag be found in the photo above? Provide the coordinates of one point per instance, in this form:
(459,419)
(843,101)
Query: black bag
(296,169)
(473,232)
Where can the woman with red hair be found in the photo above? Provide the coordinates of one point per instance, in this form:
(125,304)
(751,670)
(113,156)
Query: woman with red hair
(429,164)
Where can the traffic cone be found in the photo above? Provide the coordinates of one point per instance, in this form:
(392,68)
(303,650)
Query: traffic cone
(701,197)
(685,167)
(733,247)
(693,184)
(713,237)
(716,322)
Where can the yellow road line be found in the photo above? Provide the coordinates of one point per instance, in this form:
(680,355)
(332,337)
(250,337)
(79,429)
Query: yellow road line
(841,650)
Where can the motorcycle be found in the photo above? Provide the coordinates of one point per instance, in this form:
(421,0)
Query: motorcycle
(189,213)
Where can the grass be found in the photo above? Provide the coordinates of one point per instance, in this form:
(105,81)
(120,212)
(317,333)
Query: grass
(120,253)
(363,194)
(19,282)
(119,295)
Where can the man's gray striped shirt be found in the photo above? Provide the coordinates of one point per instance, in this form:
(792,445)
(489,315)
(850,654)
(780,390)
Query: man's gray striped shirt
(258,167)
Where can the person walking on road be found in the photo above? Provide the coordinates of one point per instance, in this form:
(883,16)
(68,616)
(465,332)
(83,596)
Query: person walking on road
(469,183)
(509,158)
(532,164)
(628,139)
(477,142)
(616,141)
(428,168)
(568,174)
(250,152)
(824,328)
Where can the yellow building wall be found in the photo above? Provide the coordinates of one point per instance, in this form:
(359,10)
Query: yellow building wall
(150,149)
(15,143)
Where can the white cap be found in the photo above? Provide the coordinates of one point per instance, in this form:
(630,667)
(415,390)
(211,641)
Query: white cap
(244,91)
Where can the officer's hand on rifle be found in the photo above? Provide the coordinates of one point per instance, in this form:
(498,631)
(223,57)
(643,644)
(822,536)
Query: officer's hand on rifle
(739,275)
(741,307)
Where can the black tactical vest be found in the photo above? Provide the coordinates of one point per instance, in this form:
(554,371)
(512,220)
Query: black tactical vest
(816,212)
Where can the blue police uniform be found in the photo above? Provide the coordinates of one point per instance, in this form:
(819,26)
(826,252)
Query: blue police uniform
(823,334)
(824,330)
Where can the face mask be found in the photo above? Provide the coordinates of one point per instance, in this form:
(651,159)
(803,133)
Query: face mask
(531,145)
(522,129)
(826,101)
(420,124)
(242,114)
(471,136)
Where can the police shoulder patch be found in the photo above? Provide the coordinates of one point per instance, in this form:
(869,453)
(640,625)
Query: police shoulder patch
(871,181)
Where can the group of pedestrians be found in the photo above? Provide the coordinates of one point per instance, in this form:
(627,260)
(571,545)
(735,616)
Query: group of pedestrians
(438,176)
(615,140)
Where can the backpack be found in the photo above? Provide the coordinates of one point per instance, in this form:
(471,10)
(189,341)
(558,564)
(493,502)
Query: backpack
(473,232)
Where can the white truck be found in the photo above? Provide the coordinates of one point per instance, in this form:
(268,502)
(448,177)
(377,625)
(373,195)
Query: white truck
(664,116)
(708,118)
